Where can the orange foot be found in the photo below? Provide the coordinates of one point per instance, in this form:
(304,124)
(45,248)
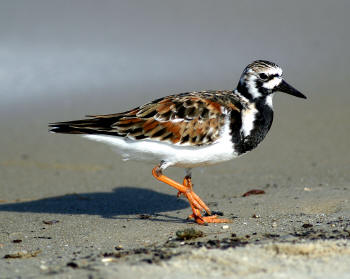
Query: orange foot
(202,220)
(195,201)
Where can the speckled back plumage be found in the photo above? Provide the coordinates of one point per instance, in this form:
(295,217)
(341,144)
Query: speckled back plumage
(194,118)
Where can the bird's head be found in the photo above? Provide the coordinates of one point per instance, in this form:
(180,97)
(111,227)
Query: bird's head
(261,79)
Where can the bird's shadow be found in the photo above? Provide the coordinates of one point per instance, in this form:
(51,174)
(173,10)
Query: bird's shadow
(122,201)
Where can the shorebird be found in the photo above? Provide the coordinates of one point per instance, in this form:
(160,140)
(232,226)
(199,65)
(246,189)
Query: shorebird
(192,129)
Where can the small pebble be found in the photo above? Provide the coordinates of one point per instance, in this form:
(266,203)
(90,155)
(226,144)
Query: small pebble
(225,227)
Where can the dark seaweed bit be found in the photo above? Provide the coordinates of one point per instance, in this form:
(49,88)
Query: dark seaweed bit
(22,255)
(307,225)
(42,237)
(253,192)
(271,235)
(51,222)
(187,234)
(72,265)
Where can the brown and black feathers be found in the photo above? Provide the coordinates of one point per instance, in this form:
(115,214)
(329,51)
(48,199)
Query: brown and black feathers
(195,118)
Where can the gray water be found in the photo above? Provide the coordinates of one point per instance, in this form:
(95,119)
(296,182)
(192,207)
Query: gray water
(102,56)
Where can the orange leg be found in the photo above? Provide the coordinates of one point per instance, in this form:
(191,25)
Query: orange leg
(196,203)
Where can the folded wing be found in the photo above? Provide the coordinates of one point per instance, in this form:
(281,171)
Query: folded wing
(188,118)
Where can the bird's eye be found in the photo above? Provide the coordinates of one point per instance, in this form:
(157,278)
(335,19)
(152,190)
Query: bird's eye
(263,76)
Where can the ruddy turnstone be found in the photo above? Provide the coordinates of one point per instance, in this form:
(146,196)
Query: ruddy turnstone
(192,129)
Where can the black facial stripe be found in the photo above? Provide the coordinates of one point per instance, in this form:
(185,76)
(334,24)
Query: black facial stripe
(259,83)
(272,77)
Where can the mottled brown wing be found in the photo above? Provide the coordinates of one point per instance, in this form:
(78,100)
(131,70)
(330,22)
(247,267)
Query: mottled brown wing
(181,120)
(187,118)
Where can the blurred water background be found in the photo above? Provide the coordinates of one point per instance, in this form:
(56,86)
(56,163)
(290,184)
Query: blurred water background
(72,57)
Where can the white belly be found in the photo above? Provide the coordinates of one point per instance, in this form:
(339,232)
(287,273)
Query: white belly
(175,155)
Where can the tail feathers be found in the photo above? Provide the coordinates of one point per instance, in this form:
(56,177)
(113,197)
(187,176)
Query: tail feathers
(86,126)
(65,129)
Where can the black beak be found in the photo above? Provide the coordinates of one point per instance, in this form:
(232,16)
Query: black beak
(286,88)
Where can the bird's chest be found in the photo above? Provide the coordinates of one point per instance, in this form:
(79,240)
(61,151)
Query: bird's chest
(249,127)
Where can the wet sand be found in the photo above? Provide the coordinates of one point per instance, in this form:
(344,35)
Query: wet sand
(72,208)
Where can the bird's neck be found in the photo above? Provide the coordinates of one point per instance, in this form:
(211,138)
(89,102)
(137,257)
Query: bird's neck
(254,95)
(257,117)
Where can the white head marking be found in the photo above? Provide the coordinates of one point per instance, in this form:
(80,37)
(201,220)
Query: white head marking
(251,85)
(271,84)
